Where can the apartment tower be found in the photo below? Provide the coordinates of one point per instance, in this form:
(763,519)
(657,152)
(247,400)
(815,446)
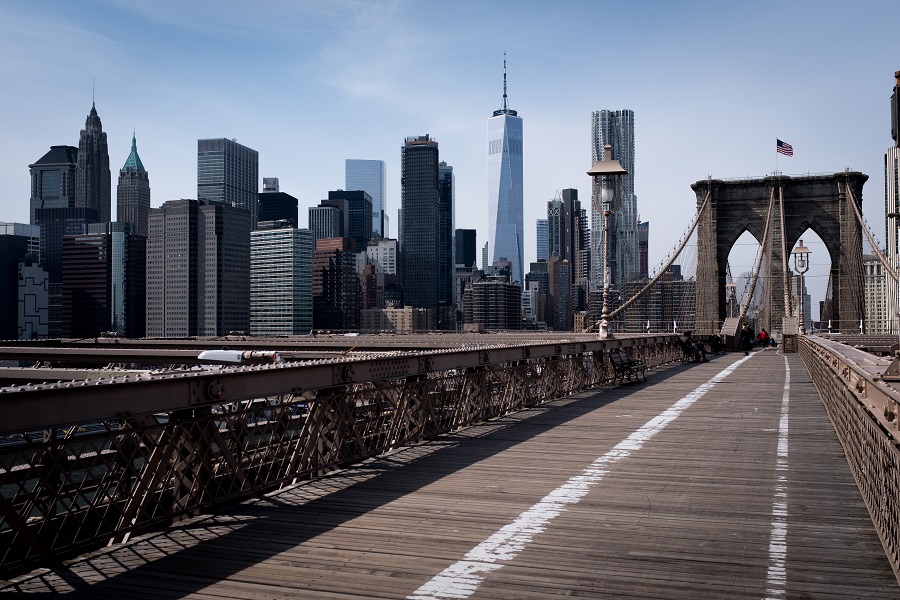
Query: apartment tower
(616,128)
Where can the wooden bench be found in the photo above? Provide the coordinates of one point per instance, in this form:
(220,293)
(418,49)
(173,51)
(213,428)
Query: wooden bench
(623,367)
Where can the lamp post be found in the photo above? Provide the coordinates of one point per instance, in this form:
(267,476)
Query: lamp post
(801,264)
(606,174)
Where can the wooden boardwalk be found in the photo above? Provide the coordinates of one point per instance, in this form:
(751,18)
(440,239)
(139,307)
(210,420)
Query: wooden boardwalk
(674,488)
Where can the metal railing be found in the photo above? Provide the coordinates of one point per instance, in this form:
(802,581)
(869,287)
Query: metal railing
(863,407)
(87,463)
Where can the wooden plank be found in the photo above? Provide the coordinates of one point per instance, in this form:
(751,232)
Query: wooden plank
(689,515)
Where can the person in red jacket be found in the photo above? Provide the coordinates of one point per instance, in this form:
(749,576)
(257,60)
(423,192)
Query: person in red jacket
(763,338)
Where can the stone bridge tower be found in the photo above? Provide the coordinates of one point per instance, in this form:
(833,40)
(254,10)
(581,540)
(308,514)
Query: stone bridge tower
(817,202)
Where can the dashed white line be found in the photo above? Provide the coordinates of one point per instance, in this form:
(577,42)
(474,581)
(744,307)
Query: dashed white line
(461,579)
(776,578)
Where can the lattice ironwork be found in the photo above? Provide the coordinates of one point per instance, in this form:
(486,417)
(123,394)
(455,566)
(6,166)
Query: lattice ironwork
(864,412)
(67,490)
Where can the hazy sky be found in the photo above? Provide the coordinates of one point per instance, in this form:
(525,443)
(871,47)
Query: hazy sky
(309,84)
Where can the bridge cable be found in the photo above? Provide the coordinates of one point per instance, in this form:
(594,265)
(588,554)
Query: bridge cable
(784,259)
(759,259)
(665,268)
(881,257)
(854,244)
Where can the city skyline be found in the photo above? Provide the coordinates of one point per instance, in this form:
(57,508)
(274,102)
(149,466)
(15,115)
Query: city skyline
(317,82)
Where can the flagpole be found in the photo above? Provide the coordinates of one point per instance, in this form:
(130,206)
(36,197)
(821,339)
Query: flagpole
(776,158)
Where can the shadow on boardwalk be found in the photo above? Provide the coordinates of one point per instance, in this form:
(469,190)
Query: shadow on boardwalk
(191,556)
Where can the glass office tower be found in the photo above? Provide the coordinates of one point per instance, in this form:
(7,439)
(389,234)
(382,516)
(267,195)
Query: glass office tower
(368,175)
(420,201)
(281,280)
(228,173)
(505,233)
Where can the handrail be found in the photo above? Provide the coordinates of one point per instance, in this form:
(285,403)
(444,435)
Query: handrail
(85,463)
(863,408)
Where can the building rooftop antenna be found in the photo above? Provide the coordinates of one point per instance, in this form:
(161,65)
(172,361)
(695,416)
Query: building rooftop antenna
(504,109)
(505,106)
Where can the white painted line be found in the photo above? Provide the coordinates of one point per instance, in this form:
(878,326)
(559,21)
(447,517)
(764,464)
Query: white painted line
(461,579)
(777,574)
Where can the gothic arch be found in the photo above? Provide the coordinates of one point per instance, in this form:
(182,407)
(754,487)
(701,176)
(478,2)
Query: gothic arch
(818,202)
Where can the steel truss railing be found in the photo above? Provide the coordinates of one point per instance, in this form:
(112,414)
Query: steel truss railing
(863,408)
(93,462)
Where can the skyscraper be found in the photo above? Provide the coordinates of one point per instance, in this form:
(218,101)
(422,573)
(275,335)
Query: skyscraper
(198,269)
(335,284)
(420,202)
(505,237)
(445,319)
(325,222)
(93,180)
(104,282)
(275,205)
(644,249)
(356,211)
(369,176)
(13,250)
(173,270)
(616,128)
(133,193)
(228,173)
(55,209)
(465,247)
(55,224)
(384,255)
(53,180)
(542,238)
(281,280)
(224,233)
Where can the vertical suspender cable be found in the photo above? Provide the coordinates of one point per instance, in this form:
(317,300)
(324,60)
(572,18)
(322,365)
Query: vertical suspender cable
(759,258)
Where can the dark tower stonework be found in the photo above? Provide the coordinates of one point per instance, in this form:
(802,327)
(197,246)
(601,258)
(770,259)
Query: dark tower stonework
(819,202)
(93,181)
(133,193)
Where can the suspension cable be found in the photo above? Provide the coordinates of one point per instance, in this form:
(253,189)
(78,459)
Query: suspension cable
(784,259)
(663,270)
(881,257)
(759,259)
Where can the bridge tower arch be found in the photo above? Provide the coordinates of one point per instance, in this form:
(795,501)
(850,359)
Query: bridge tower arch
(777,210)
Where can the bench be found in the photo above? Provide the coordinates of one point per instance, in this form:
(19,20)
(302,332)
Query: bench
(623,367)
(688,353)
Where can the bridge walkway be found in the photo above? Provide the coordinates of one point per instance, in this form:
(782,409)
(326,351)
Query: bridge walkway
(690,485)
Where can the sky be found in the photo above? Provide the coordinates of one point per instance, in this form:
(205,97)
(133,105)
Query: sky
(309,84)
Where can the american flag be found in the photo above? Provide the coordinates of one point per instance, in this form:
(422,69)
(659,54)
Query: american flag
(784,148)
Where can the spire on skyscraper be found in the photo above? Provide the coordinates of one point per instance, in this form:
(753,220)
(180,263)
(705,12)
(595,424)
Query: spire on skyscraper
(134,161)
(92,176)
(504,108)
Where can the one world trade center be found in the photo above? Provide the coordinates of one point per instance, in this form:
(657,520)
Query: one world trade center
(505,239)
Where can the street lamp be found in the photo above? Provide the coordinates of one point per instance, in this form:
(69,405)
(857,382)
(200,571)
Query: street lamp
(801,265)
(606,174)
